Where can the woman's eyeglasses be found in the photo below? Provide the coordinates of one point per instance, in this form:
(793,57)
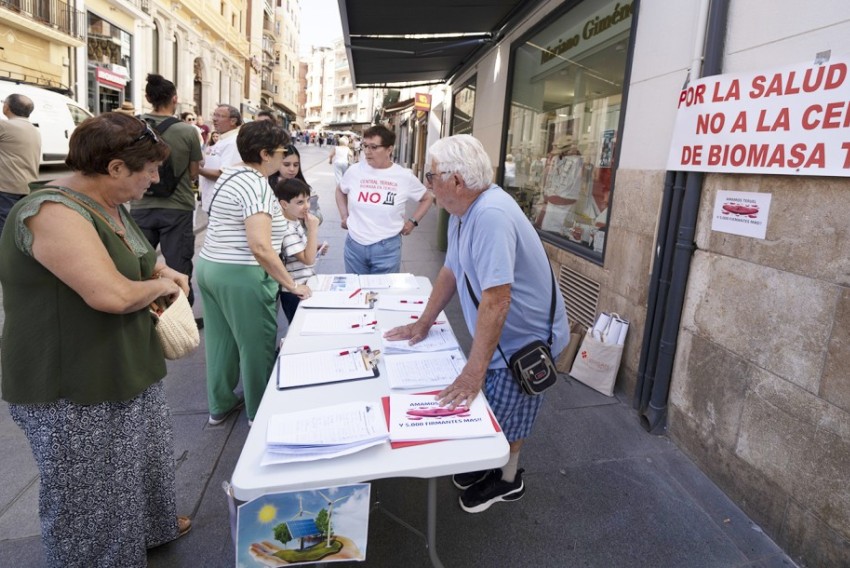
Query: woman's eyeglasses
(190,118)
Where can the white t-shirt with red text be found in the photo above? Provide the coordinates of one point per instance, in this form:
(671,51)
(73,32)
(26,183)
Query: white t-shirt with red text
(376,200)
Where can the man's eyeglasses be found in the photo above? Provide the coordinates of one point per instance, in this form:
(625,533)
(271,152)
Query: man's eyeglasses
(373,146)
(147,133)
(431,175)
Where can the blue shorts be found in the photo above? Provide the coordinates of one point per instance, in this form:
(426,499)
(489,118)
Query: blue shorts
(515,410)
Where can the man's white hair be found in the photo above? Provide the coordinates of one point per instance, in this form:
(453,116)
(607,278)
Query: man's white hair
(462,154)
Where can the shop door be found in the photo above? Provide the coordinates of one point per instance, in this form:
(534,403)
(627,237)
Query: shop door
(108,99)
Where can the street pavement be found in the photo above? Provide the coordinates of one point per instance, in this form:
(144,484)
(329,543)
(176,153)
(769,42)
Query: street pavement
(600,492)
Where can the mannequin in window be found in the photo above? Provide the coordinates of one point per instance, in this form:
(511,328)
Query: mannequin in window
(561,185)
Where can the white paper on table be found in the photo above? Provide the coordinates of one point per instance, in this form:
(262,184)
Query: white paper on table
(415,417)
(327,322)
(271,457)
(336,282)
(329,425)
(420,370)
(401,280)
(402,303)
(341,300)
(320,367)
(440,338)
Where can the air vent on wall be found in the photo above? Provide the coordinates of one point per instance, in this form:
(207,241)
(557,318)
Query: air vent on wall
(581,296)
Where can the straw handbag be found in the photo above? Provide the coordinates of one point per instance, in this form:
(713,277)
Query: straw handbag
(176,327)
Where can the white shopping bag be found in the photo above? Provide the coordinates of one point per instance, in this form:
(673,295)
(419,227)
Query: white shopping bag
(599,355)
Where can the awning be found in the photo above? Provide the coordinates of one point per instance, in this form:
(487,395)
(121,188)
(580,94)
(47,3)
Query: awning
(390,43)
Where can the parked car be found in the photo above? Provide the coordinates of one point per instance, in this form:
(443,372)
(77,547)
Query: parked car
(54,115)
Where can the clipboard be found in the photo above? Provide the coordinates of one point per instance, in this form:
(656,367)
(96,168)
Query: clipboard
(329,366)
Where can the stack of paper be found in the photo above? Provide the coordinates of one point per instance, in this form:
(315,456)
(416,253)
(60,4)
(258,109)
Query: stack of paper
(345,299)
(418,417)
(403,303)
(381,281)
(440,338)
(338,322)
(324,432)
(419,370)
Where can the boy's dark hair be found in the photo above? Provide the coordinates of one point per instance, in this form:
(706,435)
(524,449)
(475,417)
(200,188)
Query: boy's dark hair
(289,189)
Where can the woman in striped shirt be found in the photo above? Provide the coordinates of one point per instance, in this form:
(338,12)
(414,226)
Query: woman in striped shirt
(239,271)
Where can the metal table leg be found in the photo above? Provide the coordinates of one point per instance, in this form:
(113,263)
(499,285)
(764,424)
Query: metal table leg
(432,523)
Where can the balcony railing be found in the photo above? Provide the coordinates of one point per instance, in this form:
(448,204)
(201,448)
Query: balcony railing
(52,13)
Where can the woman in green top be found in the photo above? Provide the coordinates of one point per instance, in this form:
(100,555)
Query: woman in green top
(82,367)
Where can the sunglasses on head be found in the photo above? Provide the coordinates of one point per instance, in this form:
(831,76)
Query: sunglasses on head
(146,133)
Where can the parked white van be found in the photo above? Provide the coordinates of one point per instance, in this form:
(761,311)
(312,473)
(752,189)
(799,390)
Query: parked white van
(54,115)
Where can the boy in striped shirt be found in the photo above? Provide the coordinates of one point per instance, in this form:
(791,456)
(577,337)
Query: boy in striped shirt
(299,249)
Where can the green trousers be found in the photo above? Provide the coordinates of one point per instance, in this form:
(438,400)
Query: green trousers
(240,329)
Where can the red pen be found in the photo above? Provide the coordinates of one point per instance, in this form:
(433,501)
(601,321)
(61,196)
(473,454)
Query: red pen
(438,322)
(372,323)
(355,293)
(355,325)
(344,353)
(414,317)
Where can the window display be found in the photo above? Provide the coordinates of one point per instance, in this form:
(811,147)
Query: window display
(565,111)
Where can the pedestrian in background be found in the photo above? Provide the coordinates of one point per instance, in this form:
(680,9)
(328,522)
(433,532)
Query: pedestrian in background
(239,272)
(192,119)
(340,158)
(371,199)
(226,121)
(167,222)
(495,252)
(82,366)
(20,148)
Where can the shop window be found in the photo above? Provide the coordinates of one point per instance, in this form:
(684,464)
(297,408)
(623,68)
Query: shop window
(463,107)
(566,96)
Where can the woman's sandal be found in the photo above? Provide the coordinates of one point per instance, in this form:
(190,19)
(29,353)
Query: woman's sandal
(184,525)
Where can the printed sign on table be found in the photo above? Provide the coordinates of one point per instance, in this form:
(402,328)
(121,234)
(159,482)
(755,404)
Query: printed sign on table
(319,525)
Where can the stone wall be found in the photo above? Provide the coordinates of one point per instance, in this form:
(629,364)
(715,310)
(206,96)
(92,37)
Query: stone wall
(760,395)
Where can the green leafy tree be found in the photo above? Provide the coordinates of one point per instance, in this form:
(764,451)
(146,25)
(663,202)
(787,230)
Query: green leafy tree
(322,521)
(281,533)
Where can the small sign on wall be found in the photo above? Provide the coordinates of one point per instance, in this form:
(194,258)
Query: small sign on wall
(741,213)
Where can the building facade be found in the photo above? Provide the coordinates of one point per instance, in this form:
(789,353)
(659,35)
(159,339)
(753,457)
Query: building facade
(101,51)
(738,347)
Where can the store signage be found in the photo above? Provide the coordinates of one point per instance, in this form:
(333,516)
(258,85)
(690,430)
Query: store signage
(741,213)
(106,77)
(791,121)
(422,101)
(609,21)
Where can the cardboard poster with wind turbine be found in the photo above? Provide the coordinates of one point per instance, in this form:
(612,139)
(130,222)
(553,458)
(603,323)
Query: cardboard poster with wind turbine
(304,527)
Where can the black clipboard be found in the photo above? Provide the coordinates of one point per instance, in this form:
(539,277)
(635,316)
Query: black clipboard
(298,370)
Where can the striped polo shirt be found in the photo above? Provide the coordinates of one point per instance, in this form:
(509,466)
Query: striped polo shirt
(240,192)
(295,241)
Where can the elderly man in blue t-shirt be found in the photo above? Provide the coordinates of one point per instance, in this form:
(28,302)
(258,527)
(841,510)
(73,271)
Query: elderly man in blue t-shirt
(495,247)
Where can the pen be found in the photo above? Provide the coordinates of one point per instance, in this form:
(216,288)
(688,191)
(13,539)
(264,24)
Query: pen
(411,302)
(372,323)
(438,322)
(355,293)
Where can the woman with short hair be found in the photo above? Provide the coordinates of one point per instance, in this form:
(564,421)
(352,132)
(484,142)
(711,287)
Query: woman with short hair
(82,366)
(239,271)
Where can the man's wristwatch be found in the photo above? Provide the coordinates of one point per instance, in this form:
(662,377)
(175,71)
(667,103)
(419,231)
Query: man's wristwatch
(414,221)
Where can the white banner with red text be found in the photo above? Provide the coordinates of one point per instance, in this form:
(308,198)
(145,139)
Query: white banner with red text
(791,121)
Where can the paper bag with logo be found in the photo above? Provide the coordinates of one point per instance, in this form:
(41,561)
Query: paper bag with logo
(599,356)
